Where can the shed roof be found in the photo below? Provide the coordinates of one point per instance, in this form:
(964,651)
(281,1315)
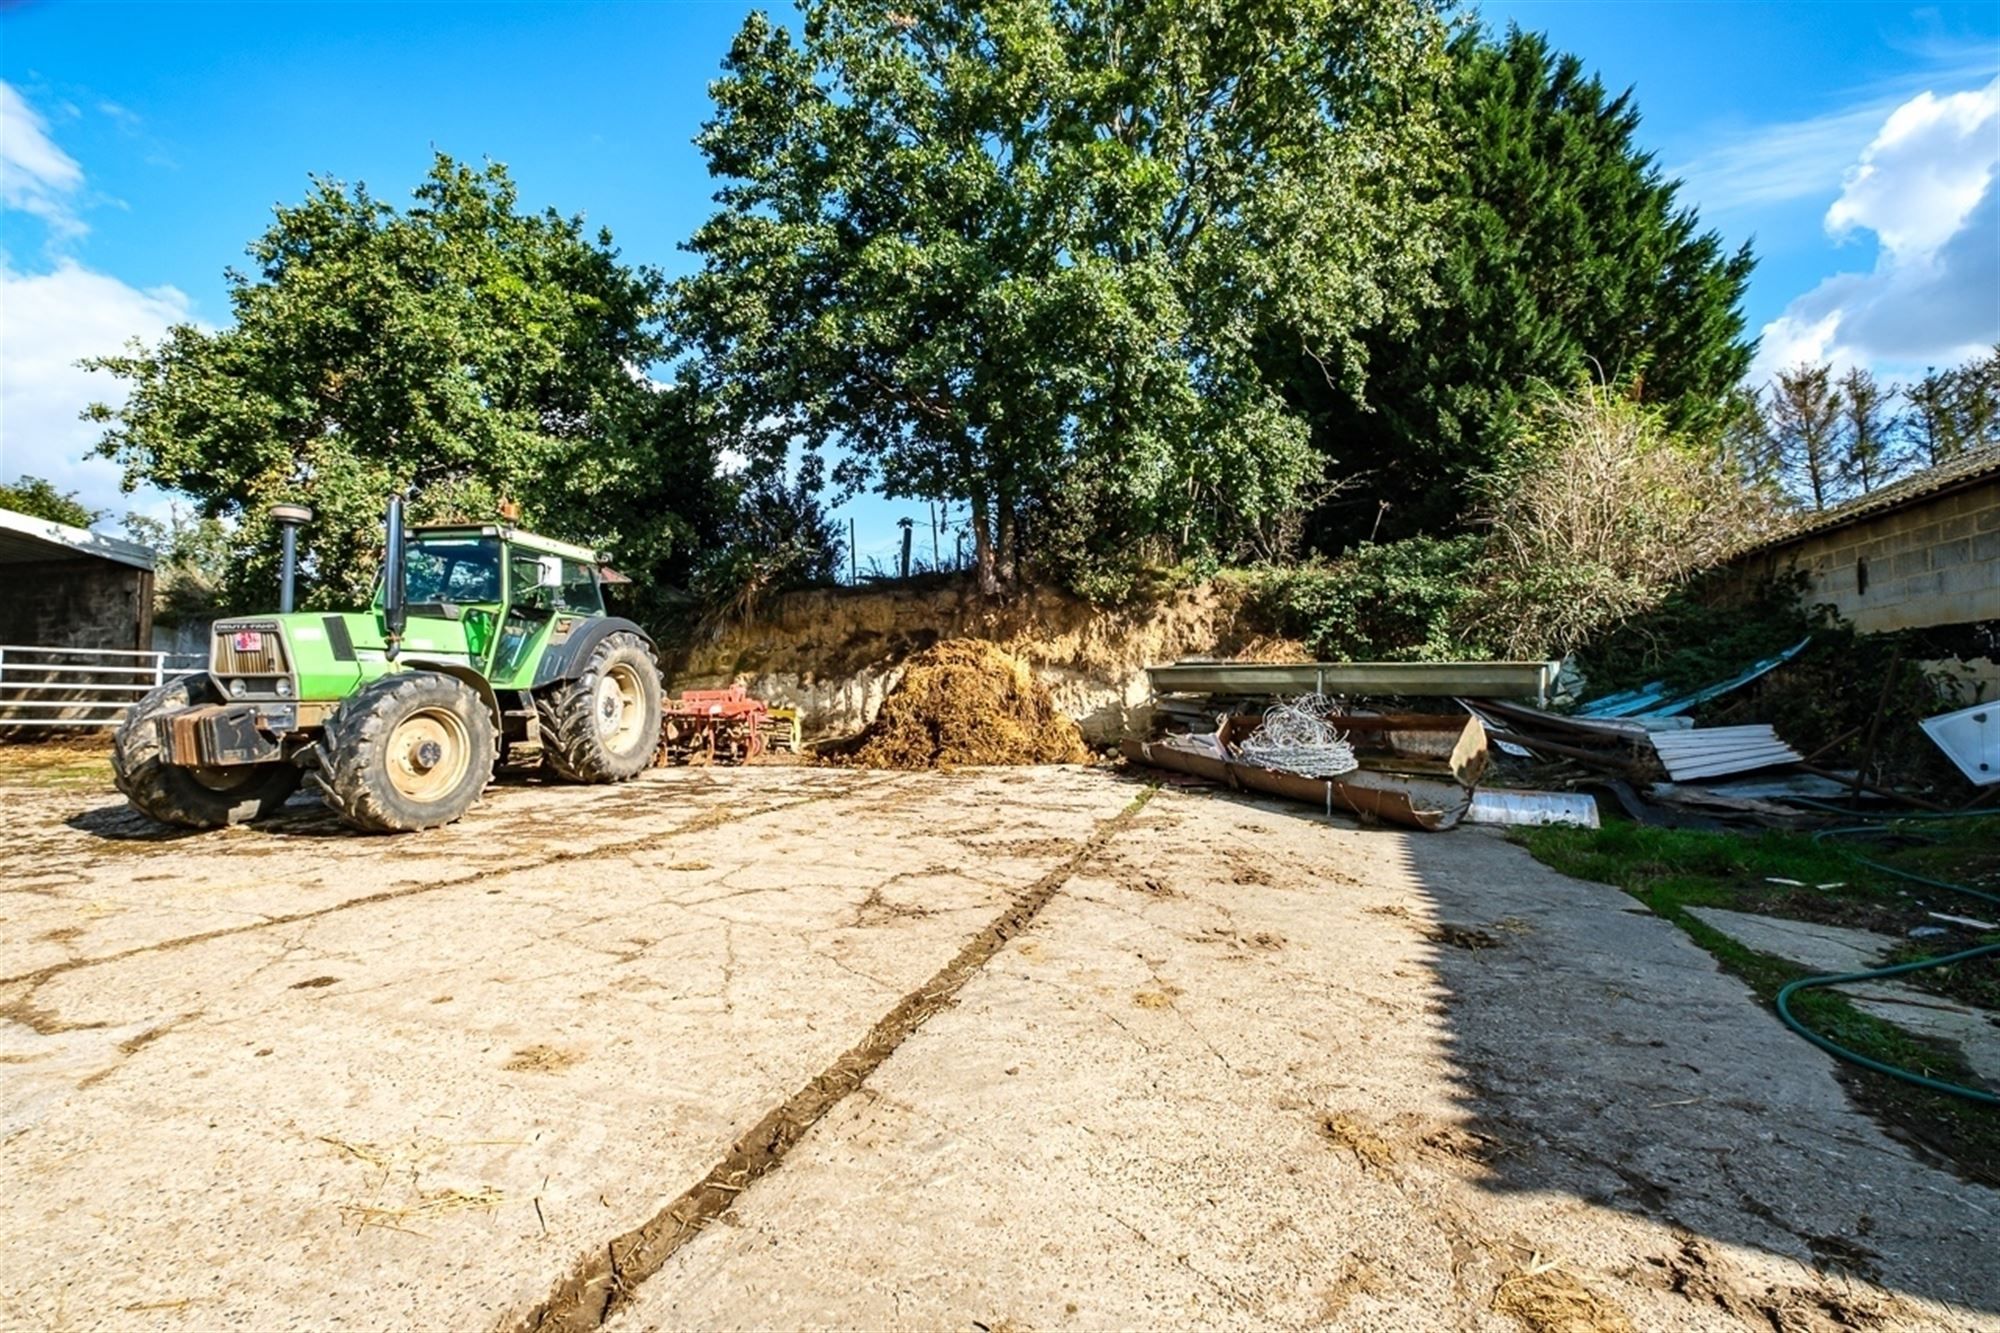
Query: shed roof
(1961,473)
(25,538)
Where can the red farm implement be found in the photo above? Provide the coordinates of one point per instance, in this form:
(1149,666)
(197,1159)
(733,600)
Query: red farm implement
(724,727)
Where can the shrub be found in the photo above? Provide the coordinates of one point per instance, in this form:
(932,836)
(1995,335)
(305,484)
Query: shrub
(1600,517)
(1402,601)
(1699,635)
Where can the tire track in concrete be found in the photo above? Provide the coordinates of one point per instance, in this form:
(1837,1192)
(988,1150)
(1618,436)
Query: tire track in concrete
(602,1282)
(699,824)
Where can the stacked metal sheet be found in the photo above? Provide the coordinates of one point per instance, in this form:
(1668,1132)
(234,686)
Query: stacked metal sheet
(1708,752)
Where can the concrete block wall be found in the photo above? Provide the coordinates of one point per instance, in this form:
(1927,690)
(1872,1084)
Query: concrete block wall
(1933,563)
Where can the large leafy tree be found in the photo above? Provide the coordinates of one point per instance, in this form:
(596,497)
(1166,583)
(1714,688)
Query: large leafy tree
(1023,255)
(1569,256)
(462,349)
(38,498)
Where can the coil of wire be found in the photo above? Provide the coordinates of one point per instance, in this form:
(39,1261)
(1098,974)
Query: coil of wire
(1299,737)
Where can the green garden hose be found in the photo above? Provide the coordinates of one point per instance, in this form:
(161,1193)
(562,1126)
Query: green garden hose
(1877,974)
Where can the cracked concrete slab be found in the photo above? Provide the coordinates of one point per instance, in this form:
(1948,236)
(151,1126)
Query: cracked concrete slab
(1241,1076)
(1246,1068)
(413,1110)
(1813,944)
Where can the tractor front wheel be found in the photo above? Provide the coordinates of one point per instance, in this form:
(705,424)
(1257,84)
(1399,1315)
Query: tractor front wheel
(409,751)
(604,724)
(191,797)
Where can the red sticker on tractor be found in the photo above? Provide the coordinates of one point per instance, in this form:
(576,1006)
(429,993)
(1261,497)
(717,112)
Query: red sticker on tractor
(249,641)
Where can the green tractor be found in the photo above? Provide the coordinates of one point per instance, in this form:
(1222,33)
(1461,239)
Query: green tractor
(484,645)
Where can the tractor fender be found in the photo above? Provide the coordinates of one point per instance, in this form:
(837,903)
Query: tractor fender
(564,661)
(458,671)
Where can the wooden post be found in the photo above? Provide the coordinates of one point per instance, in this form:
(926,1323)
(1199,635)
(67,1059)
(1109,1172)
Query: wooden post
(853,557)
(1875,725)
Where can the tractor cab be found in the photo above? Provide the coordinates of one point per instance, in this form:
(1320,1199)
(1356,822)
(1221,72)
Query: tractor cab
(445,568)
(491,595)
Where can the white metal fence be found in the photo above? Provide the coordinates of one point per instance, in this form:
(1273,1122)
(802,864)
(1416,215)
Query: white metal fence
(80,687)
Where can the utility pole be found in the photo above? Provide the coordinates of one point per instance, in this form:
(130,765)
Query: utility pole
(936,564)
(853,557)
(908,526)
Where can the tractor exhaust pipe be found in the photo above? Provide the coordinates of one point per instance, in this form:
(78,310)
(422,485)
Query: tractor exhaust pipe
(289,518)
(394,613)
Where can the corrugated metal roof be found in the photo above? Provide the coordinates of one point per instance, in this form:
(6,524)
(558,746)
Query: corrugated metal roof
(24,538)
(1973,469)
(1708,752)
(1654,701)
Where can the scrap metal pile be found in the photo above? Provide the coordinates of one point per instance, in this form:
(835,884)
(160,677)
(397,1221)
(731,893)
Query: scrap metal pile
(1418,770)
(1637,748)
(1215,721)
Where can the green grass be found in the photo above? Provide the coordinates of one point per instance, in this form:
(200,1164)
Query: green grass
(1671,870)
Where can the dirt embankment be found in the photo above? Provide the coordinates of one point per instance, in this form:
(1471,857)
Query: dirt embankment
(835,654)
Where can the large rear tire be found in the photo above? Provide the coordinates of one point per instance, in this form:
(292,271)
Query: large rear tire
(409,751)
(204,798)
(604,724)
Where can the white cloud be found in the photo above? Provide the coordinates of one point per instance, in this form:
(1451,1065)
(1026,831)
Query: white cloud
(51,320)
(1923,173)
(1928,186)
(1756,167)
(36,176)
(48,322)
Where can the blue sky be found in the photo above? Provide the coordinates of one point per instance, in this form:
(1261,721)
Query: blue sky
(141,146)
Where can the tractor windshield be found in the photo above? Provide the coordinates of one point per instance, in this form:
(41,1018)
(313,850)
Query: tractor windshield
(452,569)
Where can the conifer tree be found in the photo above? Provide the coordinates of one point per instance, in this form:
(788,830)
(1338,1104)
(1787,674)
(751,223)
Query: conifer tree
(1569,256)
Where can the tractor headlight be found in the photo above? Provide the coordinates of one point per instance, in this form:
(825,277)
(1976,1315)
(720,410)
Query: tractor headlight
(236,689)
(284,688)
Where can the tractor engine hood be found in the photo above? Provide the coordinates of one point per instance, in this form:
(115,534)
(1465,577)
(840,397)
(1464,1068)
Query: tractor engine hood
(301,655)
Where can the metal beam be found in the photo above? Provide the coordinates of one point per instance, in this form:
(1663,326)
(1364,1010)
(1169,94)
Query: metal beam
(1506,680)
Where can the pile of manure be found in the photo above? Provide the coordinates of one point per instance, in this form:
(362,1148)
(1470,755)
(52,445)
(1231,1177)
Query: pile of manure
(964,702)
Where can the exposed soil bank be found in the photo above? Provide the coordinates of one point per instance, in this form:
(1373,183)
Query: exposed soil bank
(835,653)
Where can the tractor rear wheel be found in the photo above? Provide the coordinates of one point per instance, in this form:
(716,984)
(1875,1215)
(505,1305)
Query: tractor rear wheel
(409,751)
(190,797)
(604,724)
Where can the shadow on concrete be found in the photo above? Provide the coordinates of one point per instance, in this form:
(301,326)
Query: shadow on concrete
(119,822)
(1609,1059)
(305,815)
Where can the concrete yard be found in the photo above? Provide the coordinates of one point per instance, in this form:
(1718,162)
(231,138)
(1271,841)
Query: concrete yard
(1221,1064)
